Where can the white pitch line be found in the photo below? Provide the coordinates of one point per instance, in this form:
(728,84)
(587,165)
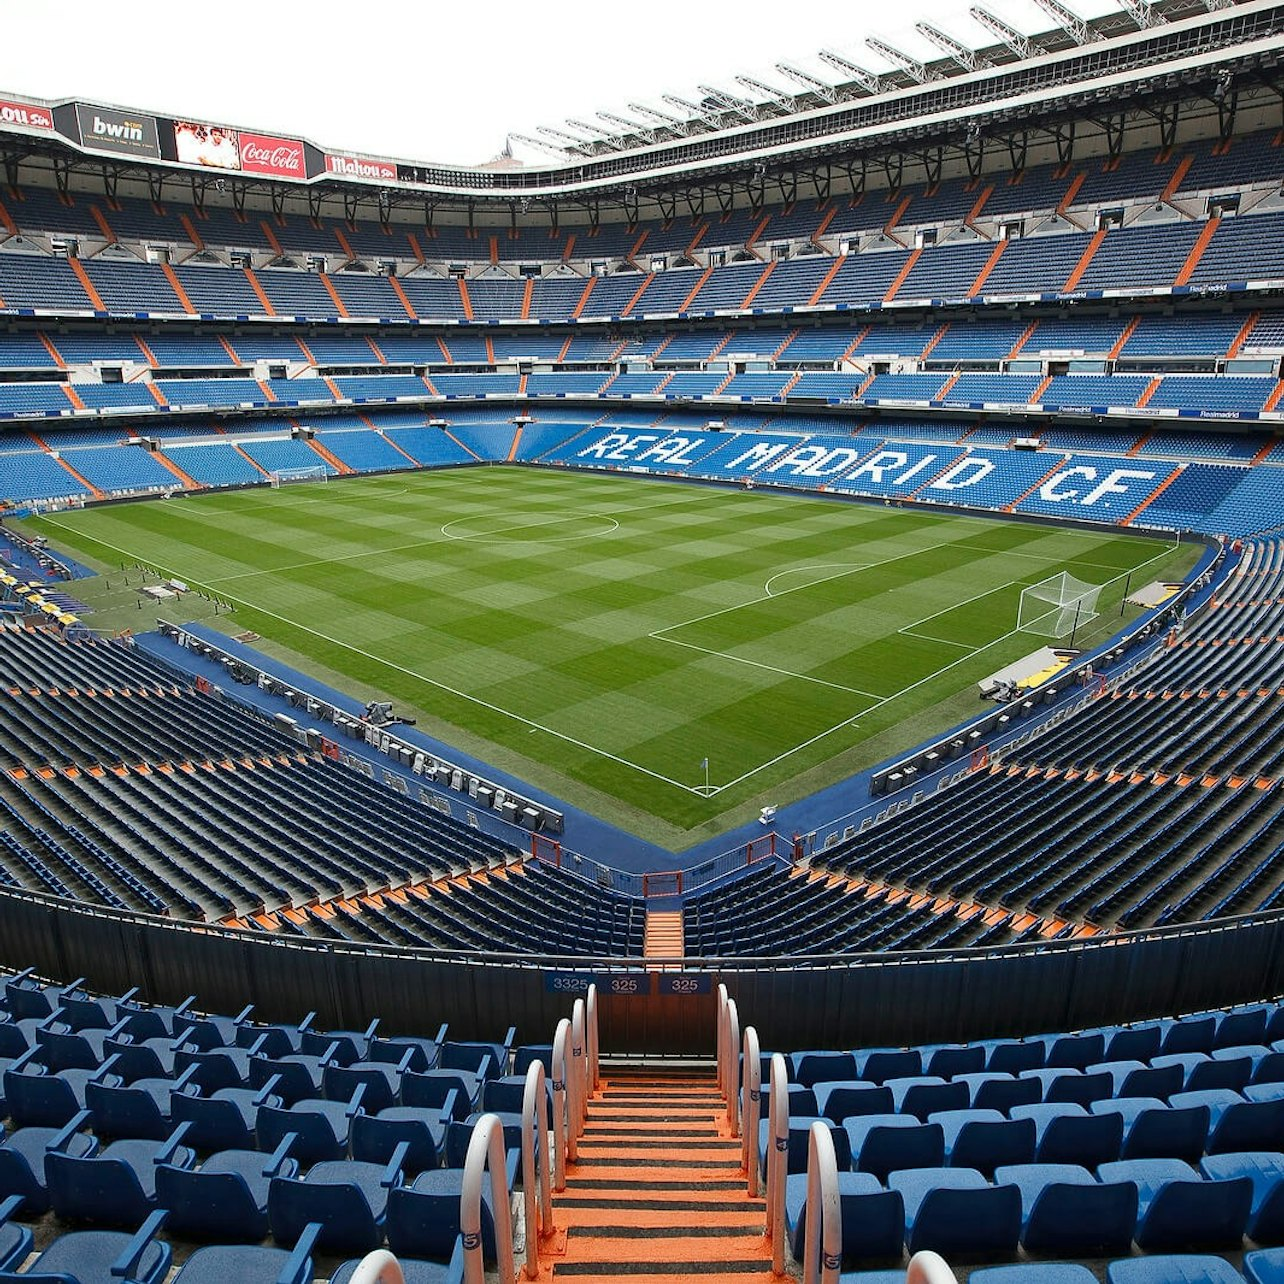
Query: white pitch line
(482,536)
(853,568)
(784,673)
(1041,557)
(419,677)
(700,789)
(812,566)
(1168,548)
(322,561)
(405,548)
(927,637)
(976,597)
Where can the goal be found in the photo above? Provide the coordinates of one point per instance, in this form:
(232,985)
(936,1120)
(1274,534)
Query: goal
(1056,606)
(279,477)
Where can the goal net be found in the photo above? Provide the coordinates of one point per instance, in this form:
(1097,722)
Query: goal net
(1055,606)
(279,477)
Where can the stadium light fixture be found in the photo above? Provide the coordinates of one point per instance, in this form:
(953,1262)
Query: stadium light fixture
(1069,22)
(769,94)
(1020,44)
(677,124)
(645,132)
(911,66)
(1142,12)
(560,133)
(741,106)
(552,148)
(865,79)
(966,58)
(696,111)
(829,93)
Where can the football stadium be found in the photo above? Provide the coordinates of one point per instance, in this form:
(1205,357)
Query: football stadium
(708,704)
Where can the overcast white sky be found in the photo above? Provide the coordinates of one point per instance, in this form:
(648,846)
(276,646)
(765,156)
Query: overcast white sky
(441,81)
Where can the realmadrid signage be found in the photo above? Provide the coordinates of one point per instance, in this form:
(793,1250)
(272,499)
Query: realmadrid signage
(126,133)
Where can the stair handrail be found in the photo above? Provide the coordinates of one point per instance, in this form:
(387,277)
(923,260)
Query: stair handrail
(590,1020)
(823,1234)
(732,1056)
(777,1160)
(720,1038)
(561,1122)
(536,1175)
(751,1107)
(927,1267)
(486,1151)
(379,1267)
(577,1080)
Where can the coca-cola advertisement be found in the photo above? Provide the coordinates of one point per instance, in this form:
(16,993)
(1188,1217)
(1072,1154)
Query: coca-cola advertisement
(265,154)
(27,115)
(361,167)
(211,145)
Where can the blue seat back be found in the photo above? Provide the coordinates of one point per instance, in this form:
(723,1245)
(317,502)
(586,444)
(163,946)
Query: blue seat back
(1187,1215)
(210,1205)
(104,1191)
(985,1220)
(1170,1133)
(348,1225)
(316,1137)
(1084,1221)
(375,1139)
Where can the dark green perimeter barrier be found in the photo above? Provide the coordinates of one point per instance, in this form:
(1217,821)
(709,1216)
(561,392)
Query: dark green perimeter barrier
(657,1006)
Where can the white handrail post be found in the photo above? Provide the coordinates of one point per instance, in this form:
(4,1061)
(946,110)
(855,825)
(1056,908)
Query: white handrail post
(926,1267)
(576,1077)
(535,1166)
(777,1161)
(732,1057)
(590,1020)
(486,1150)
(751,1104)
(561,1126)
(721,1037)
(823,1240)
(379,1267)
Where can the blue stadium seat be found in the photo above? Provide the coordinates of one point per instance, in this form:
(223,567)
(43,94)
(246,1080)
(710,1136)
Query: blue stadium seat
(873,1218)
(225,1198)
(218,1263)
(1177,1210)
(955,1210)
(1066,1210)
(102,1255)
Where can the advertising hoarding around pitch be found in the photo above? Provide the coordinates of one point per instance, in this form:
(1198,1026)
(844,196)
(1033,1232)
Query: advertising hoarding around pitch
(26,115)
(125,133)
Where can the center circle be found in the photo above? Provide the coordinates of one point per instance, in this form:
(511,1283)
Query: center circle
(531,528)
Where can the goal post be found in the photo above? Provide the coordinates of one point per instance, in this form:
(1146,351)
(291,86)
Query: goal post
(1057,606)
(279,477)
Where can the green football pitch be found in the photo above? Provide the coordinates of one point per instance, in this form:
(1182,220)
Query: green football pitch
(602,636)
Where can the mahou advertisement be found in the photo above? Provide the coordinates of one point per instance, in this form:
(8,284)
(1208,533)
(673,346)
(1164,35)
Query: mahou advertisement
(279,157)
(361,167)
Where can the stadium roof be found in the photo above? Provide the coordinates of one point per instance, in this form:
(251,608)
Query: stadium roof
(1166,58)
